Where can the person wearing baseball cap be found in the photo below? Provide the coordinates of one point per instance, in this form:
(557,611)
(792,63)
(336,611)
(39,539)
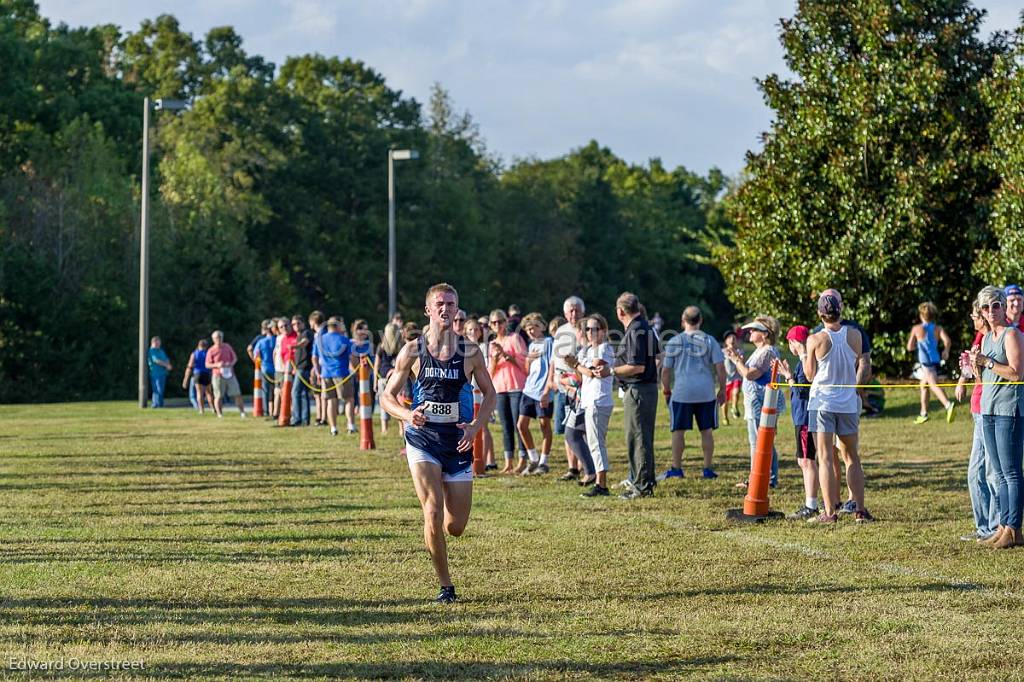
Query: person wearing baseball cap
(834,407)
(756,373)
(1014,306)
(863,377)
(798,395)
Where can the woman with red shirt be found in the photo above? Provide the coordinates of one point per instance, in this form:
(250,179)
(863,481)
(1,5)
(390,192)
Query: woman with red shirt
(980,476)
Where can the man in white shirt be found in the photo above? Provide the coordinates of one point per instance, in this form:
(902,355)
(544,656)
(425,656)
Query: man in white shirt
(565,344)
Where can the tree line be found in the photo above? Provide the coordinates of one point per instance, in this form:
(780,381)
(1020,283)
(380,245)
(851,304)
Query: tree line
(269,198)
(893,169)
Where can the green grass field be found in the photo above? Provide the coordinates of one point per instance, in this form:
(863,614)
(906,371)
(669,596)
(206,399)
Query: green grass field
(228,549)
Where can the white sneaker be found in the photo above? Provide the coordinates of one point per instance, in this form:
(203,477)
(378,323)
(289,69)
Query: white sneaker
(220,416)
(334,431)
(241,415)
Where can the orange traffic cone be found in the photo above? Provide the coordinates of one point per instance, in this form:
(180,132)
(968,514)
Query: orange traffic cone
(365,408)
(284,418)
(257,391)
(755,504)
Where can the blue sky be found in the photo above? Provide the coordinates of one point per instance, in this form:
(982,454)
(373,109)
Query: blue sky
(648,78)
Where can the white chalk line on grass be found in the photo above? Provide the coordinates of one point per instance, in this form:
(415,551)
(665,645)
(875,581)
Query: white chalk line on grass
(742,537)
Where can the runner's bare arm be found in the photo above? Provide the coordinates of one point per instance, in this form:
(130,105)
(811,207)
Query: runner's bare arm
(405,364)
(811,363)
(947,343)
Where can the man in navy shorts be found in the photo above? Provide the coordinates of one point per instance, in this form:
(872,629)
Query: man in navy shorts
(439,424)
(693,364)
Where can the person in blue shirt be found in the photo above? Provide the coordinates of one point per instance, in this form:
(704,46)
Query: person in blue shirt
(536,401)
(198,378)
(798,397)
(332,351)
(263,349)
(925,338)
(159,366)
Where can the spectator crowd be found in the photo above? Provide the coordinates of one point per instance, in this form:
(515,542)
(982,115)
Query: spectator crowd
(560,377)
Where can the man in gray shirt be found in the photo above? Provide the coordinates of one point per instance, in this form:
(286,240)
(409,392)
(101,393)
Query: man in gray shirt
(693,362)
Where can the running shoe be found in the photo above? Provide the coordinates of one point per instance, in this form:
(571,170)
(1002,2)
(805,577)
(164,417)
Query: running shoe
(824,519)
(950,413)
(921,419)
(974,536)
(541,470)
(709,473)
(334,431)
(671,472)
(529,469)
(570,475)
(863,517)
(803,514)
(491,467)
(848,507)
(446,595)
(634,494)
(596,491)
(351,429)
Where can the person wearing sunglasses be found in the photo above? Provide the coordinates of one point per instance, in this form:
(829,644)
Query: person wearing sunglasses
(999,361)
(507,364)
(594,365)
(924,338)
(981,480)
(459,322)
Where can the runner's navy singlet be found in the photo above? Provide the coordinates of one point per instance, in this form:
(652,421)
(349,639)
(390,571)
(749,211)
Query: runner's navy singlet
(441,388)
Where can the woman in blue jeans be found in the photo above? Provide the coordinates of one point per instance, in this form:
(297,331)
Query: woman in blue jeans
(998,361)
(981,480)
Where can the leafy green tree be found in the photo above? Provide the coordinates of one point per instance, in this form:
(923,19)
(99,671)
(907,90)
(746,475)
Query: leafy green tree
(1001,259)
(871,178)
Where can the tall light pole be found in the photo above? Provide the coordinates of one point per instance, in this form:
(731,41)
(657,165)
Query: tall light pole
(394,155)
(160,104)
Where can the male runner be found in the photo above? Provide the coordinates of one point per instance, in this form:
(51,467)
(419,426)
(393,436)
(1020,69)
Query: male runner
(439,425)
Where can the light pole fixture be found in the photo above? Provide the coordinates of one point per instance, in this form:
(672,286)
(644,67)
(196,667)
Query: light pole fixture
(158,105)
(394,155)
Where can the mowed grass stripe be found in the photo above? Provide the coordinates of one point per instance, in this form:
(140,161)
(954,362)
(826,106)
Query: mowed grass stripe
(226,548)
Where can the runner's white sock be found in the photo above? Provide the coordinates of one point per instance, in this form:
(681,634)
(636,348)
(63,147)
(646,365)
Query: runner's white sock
(544,459)
(811,502)
(532,452)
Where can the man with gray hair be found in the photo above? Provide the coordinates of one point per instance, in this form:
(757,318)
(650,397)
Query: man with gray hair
(565,344)
(637,372)
(220,360)
(698,362)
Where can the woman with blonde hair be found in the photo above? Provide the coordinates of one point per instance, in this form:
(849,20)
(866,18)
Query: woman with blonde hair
(593,364)
(925,338)
(756,372)
(999,360)
(387,351)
